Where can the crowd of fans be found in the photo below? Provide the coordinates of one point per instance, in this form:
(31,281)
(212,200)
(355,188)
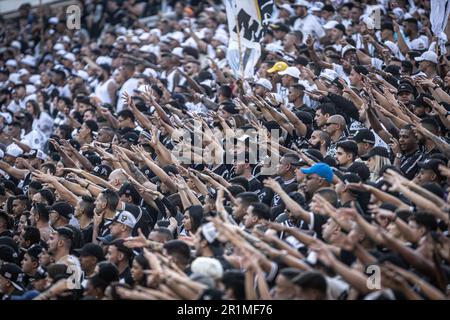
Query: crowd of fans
(96,204)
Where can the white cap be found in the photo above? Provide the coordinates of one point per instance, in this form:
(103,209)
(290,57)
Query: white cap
(328,74)
(41,155)
(370,22)
(398,12)
(156,32)
(221,38)
(121,38)
(291,71)
(28,60)
(58,46)
(273,47)
(330,24)
(288,8)
(347,48)
(70,56)
(2,154)
(144,37)
(23,72)
(16,44)
(121,30)
(61,53)
(30,89)
(65,39)
(177,35)
(264,83)
(139,31)
(317,6)
(7,116)
(207,266)
(135,40)
(11,63)
(125,218)
(82,74)
(428,56)
(35,79)
(178,51)
(149,72)
(302,3)
(14,77)
(103,60)
(14,150)
(53,20)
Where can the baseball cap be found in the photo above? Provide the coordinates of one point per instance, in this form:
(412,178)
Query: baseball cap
(65,231)
(280,27)
(13,273)
(69,56)
(278,66)
(428,56)
(364,135)
(405,87)
(264,83)
(329,74)
(321,169)
(7,253)
(131,137)
(34,251)
(63,208)
(207,266)
(230,108)
(301,3)
(376,151)
(13,150)
(125,218)
(330,24)
(34,153)
(287,7)
(432,164)
(91,250)
(102,171)
(347,48)
(7,116)
(291,71)
(209,232)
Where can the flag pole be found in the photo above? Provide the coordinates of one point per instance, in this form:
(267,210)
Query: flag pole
(241,67)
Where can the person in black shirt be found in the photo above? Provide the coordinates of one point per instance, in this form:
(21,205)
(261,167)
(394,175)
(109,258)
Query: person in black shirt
(120,255)
(286,176)
(407,152)
(84,212)
(244,169)
(10,281)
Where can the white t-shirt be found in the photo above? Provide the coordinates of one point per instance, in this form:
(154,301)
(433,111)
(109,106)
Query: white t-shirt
(127,87)
(309,25)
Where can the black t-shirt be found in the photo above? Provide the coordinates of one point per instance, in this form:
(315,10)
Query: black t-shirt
(272,199)
(86,233)
(409,164)
(126,277)
(254,185)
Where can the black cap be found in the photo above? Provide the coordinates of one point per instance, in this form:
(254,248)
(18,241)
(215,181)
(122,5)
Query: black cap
(129,190)
(7,254)
(305,117)
(230,108)
(405,87)
(13,273)
(341,27)
(364,135)
(432,164)
(102,171)
(9,242)
(34,251)
(63,208)
(131,137)
(41,273)
(376,151)
(360,169)
(280,27)
(91,250)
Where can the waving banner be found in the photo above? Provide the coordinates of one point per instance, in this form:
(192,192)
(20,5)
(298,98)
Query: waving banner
(247,23)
